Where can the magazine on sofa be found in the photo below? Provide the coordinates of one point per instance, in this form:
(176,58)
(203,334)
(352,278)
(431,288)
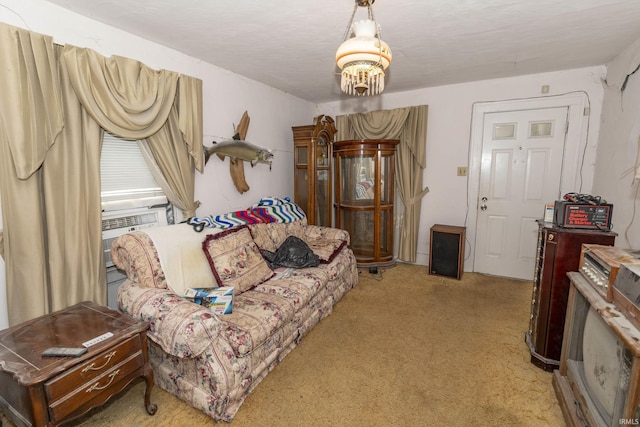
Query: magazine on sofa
(219,300)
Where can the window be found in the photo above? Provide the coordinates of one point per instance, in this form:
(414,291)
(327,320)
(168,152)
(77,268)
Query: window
(125,178)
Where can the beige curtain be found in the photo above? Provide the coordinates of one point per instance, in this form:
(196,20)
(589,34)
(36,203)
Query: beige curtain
(176,165)
(71,188)
(176,162)
(30,120)
(130,100)
(409,125)
(54,102)
(190,117)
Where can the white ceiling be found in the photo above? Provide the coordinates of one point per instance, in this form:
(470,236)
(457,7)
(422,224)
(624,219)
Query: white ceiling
(291,44)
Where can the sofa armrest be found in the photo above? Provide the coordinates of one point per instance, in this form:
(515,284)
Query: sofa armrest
(326,242)
(319,232)
(180,327)
(136,255)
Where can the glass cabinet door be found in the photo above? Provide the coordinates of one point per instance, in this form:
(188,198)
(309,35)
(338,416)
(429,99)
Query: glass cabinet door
(301,176)
(386,170)
(358,181)
(323,193)
(323,198)
(322,153)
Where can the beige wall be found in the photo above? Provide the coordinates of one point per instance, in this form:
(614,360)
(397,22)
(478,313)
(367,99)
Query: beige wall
(618,146)
(448,135)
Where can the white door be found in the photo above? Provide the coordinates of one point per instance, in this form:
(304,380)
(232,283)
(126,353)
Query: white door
(520,172)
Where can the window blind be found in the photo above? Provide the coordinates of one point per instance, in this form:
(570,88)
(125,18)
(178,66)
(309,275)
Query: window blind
(124,173)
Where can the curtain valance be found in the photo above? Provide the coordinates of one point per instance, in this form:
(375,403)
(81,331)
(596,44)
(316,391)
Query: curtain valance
(124,96)
(379,124)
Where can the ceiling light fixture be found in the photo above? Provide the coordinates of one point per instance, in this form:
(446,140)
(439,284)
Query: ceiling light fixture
(364,57)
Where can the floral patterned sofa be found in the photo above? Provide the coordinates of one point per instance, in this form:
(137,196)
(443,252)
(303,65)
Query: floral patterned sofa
(211,361)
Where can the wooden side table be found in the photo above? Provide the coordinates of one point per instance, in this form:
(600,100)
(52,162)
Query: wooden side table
(46,391)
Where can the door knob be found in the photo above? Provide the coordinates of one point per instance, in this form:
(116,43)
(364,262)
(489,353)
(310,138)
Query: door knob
(483,207)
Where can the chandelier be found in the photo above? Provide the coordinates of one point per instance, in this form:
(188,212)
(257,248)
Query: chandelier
(364,57)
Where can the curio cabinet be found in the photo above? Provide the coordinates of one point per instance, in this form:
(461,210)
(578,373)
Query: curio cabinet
(312,174)
(364,173)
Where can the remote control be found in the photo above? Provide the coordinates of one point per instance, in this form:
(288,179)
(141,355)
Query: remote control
(64,352)
(97,339)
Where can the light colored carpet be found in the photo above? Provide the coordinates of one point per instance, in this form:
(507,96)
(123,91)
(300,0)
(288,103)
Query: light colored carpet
(401,349)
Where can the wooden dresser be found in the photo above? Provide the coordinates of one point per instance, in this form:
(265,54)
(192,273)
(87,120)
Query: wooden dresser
(46,391)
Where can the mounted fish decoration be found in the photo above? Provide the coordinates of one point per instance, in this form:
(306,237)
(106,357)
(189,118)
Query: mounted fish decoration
(239,150)
(238,153)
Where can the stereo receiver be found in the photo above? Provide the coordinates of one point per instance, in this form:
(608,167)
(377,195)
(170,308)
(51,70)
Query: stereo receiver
(599,264)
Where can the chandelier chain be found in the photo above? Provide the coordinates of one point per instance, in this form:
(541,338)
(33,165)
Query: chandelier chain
(371,16)
(348,30)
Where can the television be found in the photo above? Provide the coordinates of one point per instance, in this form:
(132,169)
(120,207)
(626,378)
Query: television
(598,383)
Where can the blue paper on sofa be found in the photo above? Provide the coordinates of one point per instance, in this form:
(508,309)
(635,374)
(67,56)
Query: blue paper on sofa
(219,300)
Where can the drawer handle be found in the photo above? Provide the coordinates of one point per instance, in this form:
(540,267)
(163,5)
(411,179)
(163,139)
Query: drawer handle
(92,366)
(97,387)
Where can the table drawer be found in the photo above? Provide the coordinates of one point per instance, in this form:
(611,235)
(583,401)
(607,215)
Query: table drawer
(103,385)
(90,369)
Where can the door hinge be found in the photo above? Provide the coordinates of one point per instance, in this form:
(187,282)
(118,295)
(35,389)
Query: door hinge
(566,128)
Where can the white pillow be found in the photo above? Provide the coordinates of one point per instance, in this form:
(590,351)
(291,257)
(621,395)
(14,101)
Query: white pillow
(181,256)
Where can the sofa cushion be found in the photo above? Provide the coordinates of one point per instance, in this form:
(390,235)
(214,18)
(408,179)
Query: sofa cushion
(180,327)
(264,233)
(295,228)
(235,259)
(269,236)
(256,316)
(260,312)
(297,286)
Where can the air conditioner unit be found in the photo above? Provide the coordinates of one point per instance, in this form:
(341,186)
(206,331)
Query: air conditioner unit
(117,223)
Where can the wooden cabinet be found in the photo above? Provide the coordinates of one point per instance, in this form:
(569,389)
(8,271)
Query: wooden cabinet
(558,252)
(48,391)
(364,174)
(312,173)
